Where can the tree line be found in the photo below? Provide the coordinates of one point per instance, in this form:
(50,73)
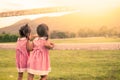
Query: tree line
(83,32)
(8,37)
(103,31)
(5,37)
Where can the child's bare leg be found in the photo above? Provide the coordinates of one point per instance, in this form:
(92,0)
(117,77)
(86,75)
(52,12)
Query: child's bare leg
(30,76)
(20,75)
(44,77)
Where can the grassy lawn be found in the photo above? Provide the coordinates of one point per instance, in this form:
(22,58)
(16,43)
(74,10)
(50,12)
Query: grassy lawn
(81,40)
(70,65)
(86,40)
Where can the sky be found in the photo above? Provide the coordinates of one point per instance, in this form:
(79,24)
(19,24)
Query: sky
(6,5)
(84,6)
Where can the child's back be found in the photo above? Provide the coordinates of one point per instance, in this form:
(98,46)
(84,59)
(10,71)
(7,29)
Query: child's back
(39,58)
(21,54)
(39,62)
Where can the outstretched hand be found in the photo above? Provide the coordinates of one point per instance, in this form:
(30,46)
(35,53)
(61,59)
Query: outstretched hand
(49,45)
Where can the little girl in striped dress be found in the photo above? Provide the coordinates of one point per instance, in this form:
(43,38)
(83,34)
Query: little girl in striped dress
(39,62)
(22,53)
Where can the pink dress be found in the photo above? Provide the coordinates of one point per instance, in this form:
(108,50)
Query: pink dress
(21,55)
(39,62)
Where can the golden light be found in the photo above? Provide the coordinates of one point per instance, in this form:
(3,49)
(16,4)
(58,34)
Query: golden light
(95,7)
(90,10)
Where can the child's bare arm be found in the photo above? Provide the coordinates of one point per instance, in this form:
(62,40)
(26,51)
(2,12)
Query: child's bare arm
(49,45)
(29,45)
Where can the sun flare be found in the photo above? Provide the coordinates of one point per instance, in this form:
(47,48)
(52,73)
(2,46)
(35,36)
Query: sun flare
(89,10)
(95,6)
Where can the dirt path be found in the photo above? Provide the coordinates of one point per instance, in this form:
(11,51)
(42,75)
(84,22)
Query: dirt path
(89,46)
(74,46)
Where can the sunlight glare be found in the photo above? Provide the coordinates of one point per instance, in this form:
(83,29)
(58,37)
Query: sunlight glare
(95,6)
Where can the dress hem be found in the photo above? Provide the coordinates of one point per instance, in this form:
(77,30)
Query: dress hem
(22,69)
(38,72)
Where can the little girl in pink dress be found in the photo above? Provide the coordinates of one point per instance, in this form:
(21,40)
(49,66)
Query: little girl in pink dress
(22,53)
(39,62)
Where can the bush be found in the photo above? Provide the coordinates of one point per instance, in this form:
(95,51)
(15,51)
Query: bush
(100,32)
(8,38)
(60,34)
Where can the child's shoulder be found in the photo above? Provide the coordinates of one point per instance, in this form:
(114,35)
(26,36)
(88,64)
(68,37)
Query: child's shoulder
(37,38)
(23,38)
(40,38)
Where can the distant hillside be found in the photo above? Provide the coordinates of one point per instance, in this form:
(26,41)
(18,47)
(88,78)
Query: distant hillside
(69,23)
(75,21)
(15,27)
(61,23)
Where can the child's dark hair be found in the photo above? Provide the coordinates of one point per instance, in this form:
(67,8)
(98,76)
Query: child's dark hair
(42,30)
(24,31)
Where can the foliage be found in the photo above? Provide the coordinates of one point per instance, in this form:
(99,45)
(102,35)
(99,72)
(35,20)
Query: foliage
(87,40)
(103,31)
(8,38)
(60,34)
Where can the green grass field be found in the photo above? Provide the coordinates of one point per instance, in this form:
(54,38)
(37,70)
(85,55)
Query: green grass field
(86,40)
(82,40)
(70,65)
